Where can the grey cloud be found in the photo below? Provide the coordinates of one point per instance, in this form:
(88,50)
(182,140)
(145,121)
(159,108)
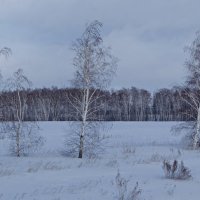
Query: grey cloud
(148,37)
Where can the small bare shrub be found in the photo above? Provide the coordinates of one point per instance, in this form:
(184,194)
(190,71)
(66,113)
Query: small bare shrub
(122,188)
(34,167)
(176,170)
(53,166)
(128,149)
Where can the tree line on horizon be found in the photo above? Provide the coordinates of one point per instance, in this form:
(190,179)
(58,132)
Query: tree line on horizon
(133,104)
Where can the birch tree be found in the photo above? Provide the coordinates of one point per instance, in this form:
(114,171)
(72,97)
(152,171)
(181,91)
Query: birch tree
(94,67)
(193,82)
(24,135)
(191,93)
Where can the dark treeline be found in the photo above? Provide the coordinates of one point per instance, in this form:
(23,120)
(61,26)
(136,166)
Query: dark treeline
(117,105)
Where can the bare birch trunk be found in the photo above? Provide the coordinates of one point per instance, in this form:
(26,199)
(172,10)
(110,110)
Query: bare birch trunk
(84,119)
(18,132)
(197,134)
(80,155)
(18,141)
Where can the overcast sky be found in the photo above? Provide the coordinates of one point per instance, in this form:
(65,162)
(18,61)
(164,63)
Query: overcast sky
(148,37)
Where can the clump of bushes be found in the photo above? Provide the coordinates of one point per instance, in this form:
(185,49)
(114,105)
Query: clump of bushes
(176,170)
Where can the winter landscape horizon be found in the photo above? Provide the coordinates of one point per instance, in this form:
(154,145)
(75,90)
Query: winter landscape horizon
(99,99)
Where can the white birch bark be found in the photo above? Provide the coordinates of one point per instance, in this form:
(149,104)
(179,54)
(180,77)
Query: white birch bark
(197,133)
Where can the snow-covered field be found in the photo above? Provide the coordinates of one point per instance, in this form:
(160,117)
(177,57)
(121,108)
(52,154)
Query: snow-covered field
(136,149)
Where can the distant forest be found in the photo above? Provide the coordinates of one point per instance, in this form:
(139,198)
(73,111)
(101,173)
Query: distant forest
(116,105)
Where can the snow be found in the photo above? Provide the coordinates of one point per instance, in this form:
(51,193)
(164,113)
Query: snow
(136,149)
